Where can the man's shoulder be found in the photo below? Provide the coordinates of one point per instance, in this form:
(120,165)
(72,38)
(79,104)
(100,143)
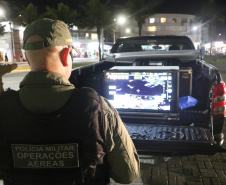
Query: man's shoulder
(91,93)
(107,106)
(88,92)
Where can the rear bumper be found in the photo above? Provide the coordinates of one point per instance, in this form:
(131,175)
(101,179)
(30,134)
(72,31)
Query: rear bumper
(176,147)
(180,139)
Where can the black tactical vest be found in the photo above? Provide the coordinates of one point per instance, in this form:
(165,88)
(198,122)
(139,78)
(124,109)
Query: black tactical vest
(62,148)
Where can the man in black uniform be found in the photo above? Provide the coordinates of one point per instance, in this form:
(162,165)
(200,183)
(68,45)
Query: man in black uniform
(54,134)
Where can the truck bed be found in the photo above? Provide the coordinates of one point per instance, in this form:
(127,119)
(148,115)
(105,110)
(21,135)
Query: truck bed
(193,129)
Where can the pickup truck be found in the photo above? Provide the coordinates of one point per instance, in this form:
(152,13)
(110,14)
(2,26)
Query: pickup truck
(169,99)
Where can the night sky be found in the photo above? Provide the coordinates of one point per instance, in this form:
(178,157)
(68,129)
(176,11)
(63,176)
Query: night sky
(169,6)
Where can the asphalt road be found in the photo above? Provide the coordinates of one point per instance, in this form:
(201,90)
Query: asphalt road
(12,80)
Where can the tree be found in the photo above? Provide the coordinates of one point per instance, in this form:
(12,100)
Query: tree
(210,14)
(96,15)
(27,15)
(142,9)
(63,13)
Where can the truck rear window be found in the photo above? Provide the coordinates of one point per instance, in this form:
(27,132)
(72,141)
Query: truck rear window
(151,45)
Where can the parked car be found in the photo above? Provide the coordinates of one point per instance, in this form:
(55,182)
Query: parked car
(168,97)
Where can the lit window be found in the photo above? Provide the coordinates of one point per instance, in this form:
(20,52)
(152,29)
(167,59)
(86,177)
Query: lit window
(94,36)
(87,34)
(174,20)
(152,20)
(163,20)
(152,28)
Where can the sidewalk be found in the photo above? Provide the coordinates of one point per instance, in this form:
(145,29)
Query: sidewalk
(80,60)
(23,66)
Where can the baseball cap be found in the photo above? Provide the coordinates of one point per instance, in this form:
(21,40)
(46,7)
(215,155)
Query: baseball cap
(53,32)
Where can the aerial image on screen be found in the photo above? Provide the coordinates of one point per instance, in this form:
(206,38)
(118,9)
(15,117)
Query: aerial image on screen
(139,90)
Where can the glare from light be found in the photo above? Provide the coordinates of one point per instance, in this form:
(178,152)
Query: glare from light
(207,45)
(219,44)
(75,28)
(195,28)
(22,28)
(93,45)
(7,27)
(220,34)
(127,30)
(121,20)
(1,12)
(77,44)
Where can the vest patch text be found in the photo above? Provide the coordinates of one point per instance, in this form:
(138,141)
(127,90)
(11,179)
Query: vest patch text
(45,156)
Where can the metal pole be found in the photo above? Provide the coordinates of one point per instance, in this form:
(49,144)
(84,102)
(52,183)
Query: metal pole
(114,36)
(12,41)
(102,42)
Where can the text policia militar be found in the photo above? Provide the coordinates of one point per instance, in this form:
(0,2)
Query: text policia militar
(45,156)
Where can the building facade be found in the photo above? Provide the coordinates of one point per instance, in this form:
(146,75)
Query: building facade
(6,42)
(166,24)
(86,41)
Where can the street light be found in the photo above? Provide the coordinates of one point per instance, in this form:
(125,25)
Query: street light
(194,28)
(128,30)
(119,21)
(2,13)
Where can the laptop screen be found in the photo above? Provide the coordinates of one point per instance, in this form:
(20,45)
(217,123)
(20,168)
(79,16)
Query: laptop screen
(142,90)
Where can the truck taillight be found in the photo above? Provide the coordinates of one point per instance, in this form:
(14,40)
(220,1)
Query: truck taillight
(219,98)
